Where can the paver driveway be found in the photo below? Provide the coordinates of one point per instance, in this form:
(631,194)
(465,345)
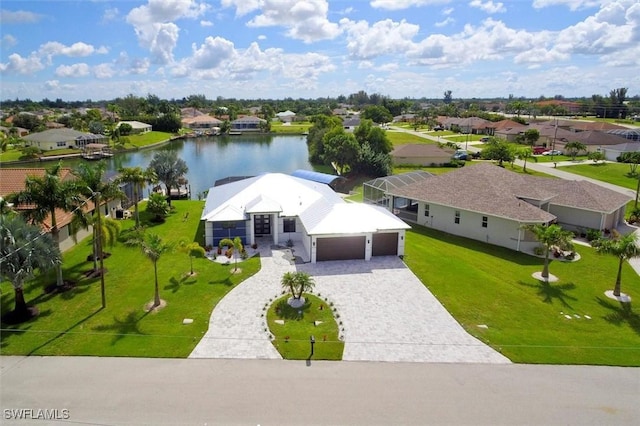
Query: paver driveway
(387,314)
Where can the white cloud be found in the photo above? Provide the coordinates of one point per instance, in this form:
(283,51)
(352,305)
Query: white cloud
(204,23)
(76,50)
(104,71)
(262,37)
(448,11)
(110,15)
(139,66)
(75,70)
(154,26)
(242,6)
(571,4)
(446,22)
(212,53)
(383,37)
(8,41)
(488,6)
(403,4)
(22,65)
(306,20)
(55,86)
(18,17)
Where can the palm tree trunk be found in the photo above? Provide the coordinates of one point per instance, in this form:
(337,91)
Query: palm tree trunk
(21,305)
(96,251)
(136,196)
(616,289)
(156,298)
(545,268)
(56,237)
(191,260)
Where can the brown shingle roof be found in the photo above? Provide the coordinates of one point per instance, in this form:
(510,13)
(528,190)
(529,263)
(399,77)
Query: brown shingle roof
(492,190)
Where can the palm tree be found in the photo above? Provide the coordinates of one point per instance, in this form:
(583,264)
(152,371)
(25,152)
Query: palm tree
(288,282)
(168,168)
(623,247)
(550,236)
(43,196)
(24,248)
(304,282)
(573,148)
(137,177)
(525,154)
(193,249)
(153,248)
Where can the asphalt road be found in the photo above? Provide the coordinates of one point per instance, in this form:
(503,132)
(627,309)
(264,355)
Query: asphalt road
(136,391)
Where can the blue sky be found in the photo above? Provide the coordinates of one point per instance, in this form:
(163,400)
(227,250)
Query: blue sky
(101,49)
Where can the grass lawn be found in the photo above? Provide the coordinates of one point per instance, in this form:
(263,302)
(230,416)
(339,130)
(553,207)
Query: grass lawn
(11,154)
(615,173)
(73,323)
(292,339)
(294,128)
(481,284)
(403,138)
(146,139)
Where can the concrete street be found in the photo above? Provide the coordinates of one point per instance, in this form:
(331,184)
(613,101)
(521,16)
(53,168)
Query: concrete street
(137,391)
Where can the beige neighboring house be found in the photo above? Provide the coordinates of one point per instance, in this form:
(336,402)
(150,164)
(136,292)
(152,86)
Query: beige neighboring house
(488,203)
(63,138)
(421,154)
(137,126)
(201,122)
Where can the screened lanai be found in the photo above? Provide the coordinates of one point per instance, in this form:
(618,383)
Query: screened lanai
(631,134)
(374,191)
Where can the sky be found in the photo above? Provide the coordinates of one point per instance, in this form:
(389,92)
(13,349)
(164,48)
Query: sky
(275,49)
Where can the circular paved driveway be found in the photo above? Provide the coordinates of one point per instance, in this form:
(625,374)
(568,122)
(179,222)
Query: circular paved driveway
(387,314)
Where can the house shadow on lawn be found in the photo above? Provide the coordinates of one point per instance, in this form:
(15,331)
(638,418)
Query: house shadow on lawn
(122,328)
(620,313)
(548,292)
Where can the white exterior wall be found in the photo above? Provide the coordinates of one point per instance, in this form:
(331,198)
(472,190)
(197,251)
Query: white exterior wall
(285,236)
(499,231)
(574,218)
(401,238)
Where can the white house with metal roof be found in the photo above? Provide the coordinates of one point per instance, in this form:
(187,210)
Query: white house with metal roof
(276,208)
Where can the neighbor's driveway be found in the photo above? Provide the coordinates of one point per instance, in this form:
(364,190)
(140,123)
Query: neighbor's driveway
(387,314)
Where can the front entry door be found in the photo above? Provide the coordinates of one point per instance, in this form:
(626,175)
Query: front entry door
(262,225)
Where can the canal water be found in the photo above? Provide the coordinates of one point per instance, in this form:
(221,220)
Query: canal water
(217,157)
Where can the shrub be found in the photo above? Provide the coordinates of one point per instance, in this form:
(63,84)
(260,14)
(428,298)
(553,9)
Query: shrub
(538,251)
(593,234)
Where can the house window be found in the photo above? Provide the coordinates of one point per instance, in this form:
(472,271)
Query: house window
(426,210)
(61,144)
(457,218)
(289,225)
(485,221)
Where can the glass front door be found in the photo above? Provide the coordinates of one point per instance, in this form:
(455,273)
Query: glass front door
(262,224)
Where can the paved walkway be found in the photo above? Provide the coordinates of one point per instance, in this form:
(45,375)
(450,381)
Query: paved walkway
(387,314)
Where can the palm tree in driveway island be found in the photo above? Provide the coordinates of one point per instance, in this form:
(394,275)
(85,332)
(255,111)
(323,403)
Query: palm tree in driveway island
(550,236)
(624,247)
(297,283)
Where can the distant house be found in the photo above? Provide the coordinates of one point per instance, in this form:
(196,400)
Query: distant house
(137,126)
(491,204)
(247,123)
(421,154)
(612,152)
(62,138)
(350,124)
(286,116)
(201,122)
(275,208)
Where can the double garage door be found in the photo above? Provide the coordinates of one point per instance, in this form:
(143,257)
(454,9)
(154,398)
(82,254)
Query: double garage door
(345,248)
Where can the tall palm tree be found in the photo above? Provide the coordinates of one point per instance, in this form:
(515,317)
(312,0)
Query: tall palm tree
(43,196)
(153,248)
(623,247)
(573,148)
(137,177)
(168,168)
(24,248)
(550,236)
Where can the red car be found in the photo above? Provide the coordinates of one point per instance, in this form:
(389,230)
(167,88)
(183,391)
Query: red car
(537,150)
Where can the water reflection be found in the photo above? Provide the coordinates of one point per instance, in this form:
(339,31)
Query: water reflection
(212,158)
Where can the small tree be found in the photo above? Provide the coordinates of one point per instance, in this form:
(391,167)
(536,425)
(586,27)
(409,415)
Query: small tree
(158,206)
(574,148)
(596,156)
(193,250)
(525,154)
(623,247)
(137,177)
(297,283)
(153,248)
(550,236)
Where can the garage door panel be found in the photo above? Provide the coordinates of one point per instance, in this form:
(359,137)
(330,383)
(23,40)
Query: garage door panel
(385,244)
(340,248)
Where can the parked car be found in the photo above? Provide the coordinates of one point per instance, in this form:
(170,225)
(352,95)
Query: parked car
(460,154)
(438,128)
(552,152)
(484,139)
(538,150)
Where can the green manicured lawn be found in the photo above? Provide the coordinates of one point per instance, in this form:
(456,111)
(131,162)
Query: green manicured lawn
(295,128)
(11,154)
(481,284)
(403,138)
(148,138)
(292,339)
(615,173)
(73,323)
